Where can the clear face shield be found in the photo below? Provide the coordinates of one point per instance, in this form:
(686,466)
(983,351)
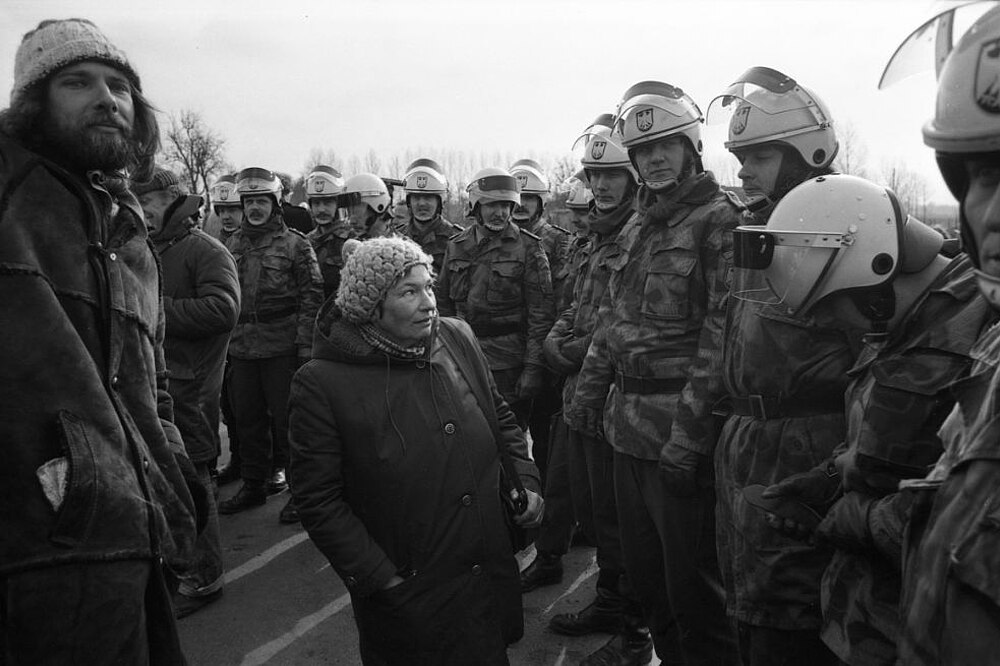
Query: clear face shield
(782,269)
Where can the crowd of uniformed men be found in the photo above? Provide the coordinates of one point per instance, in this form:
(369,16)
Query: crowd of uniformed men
(772,410)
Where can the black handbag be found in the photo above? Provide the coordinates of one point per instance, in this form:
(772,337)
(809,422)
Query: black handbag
(513,496)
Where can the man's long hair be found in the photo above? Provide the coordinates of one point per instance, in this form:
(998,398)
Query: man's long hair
(23,122)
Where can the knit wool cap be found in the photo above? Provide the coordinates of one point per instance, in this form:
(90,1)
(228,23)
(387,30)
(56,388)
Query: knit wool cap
(55,44)
(370,272)
(161,180)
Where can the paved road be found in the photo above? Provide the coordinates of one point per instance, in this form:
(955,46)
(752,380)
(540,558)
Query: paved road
(283,605)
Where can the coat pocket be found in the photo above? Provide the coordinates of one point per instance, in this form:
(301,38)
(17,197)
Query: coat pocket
(667,290)
(506,281)
(458,279)
(79,506)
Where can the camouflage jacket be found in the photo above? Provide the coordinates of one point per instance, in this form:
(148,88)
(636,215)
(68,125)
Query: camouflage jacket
(662,319)
(951,568)
(556,243)
(898,399)
(431,237)
(574,328)
(800,367)
(328,242)
(281,291)
(500,284)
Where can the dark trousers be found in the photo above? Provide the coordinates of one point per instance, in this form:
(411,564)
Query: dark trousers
(543,407)
(229,418)
(94,613)
(557,525)
(259,391)
(767,646)
(668,544)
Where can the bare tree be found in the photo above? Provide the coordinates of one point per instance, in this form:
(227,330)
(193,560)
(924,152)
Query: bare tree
(317,156)
(910,187)
(852,157)
(372,162)
(196,149)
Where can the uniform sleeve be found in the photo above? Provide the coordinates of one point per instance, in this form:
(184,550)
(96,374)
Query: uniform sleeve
(214,308)
(596,374)
(317,480)
(538,299)
(310,284)
(694,428)
(445,306)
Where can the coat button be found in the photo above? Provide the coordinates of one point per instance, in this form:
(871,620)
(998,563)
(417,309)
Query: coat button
(351,581)
(477,569)
(449,428)
(112,256)
(145,464)
(466,500)
(114,382)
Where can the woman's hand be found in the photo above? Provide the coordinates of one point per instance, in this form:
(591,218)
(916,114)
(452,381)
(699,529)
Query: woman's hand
(532,516)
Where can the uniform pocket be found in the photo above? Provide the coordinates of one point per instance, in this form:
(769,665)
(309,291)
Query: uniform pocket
(506,279)
(458,279)
(276,272)
(975,561)
(667,290)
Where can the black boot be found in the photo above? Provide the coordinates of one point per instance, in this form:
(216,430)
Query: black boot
(228,474)
(603,614)
(277,482)
(545,569)
(289,513)
(632,647)
(250,494)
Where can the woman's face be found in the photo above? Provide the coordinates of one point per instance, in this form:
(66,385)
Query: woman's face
(409,308)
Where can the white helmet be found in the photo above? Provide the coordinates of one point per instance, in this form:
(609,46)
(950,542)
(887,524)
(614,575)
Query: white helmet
(425,176)
(652,110)
(367,188)
(578,194)
(531,178)
(831,234)
(255,181)
(223,192)
(765,106)
(492,184)
(602,147)
(324,181)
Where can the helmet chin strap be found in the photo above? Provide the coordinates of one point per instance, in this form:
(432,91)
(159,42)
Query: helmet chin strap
(661,186)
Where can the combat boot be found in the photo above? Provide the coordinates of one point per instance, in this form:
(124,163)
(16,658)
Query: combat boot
(603,614)
(250,494)
(545,569)
(289,514)
(632,647)
(277,482)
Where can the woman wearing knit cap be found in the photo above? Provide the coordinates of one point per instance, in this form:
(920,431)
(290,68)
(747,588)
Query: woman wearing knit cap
(395,427)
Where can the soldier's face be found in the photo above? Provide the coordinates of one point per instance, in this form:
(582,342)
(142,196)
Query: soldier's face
(759,169)
(323,209)
(361,216)
(408,311)
(530,208)
(258,209)
(423,206)
(495,214)
(230,216)
(661,161)
(579,218)
(982,211)
(154,205)
(609,187)
(89,115)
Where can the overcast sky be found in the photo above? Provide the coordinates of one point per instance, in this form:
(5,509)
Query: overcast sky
(279,78)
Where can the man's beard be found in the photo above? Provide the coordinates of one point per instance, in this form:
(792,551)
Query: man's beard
(84,149)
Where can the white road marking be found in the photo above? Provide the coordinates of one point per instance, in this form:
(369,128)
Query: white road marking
(590,571)
(266,652)
(261,560)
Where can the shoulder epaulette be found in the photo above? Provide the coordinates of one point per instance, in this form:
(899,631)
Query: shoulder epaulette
(565,231)
(457,227)
(735,200)
(298,233)
(529,234)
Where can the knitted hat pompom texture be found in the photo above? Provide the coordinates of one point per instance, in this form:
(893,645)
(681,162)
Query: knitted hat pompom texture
(55,44)
(370,272)
(161,180)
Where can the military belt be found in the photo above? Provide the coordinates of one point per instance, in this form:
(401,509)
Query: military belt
(490,330)
(264,317)
(649,385)
(765,407)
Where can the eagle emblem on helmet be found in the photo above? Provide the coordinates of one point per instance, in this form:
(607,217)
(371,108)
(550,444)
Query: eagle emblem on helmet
(644,120)
(224,194)
(738,124)
(522,180)
(421,182)
(597,150)
(988,77)
(254,184)
(319,185)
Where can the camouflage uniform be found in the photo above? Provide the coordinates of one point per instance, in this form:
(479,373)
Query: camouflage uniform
(951,570)
(556,243)
(328,242)
(432,237)
(500,284)
(281,289)
(895,405)
(786,377)
(660,325)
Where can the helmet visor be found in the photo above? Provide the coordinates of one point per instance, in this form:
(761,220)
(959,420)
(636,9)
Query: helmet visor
(781,268)
(766,90)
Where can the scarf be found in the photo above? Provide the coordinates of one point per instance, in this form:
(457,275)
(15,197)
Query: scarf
(378,339)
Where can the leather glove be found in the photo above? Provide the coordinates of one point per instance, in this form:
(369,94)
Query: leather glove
(846,523)
(588,420)
(816,488)
(554,357)
(576,350)
(199,494)
(679,469)
(529,384)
